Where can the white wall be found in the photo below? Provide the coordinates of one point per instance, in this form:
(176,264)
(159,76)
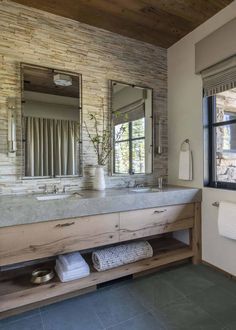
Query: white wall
(185,121)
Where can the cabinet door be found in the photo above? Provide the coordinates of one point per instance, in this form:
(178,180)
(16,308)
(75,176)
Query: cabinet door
(154,221)
(33,241)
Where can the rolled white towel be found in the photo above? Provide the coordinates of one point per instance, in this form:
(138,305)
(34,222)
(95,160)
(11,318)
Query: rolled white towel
(120,255)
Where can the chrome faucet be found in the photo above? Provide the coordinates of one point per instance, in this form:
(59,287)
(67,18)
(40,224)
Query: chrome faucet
(55,189)
(64,188)
(139,185)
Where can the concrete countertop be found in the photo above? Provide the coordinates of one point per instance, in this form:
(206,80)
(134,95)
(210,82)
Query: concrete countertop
(17,210)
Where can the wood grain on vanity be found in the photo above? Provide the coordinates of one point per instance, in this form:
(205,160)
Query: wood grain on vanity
(154,221)
(44,239)
(34,238)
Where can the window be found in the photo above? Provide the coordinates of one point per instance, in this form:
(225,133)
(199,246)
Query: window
(221,144)
(129,149)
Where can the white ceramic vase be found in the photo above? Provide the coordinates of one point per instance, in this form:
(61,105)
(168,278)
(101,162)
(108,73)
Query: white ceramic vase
(99,179)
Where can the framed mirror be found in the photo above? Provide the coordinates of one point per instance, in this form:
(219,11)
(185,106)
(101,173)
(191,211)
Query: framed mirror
(51,122)
(131,123)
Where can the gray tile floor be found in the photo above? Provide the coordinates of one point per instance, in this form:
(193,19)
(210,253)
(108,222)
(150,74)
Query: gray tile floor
(185,298)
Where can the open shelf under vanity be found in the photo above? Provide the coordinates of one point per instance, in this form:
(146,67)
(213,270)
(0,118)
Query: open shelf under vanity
(34,243)
(18,294)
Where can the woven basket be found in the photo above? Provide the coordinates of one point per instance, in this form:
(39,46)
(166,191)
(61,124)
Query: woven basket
(120,255)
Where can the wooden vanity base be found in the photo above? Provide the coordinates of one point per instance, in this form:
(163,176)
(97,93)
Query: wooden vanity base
(17,294)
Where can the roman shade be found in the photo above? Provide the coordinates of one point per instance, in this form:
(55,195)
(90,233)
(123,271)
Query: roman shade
(131,112)
(220,77)
(216,47)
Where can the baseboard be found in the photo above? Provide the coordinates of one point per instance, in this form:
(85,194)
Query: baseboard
(219,270)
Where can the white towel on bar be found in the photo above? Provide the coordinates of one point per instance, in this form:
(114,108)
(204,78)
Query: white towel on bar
(185,162)
(227,219)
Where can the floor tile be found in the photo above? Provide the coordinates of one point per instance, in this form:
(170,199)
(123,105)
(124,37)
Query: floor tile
(188,297)
(115,306)
(19,317)
(184,314)
(153,292)
(74,314)
(186,280)
(145,321)
(28,323)
(210,274)
(230,326)
(219,303)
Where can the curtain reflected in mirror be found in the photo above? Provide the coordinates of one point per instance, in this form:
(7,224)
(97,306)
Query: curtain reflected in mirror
(50,147)
(51,119)
(132,129)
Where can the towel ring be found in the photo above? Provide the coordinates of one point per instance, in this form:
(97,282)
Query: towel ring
(185,141)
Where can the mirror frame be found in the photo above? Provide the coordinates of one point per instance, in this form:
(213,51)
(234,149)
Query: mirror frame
(111,161)
(80,168)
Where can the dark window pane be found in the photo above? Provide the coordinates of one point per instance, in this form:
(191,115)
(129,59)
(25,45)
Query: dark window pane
(138,128)
(122,157)
(225,137)
(122,132)
(138,156)
(225,105)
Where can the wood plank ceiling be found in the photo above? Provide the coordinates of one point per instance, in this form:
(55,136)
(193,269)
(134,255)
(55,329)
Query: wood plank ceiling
(159,22)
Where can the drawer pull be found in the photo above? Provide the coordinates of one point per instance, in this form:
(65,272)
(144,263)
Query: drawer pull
(159,211)
(67,224)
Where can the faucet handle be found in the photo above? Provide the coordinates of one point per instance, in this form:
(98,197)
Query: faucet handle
(55,189)
(64,188)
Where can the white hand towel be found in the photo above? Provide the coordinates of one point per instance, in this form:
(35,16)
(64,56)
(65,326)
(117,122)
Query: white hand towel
(185,162)
(227,220)
(72,274)
(71,261)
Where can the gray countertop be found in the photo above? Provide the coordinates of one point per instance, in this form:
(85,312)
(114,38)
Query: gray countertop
(17,210)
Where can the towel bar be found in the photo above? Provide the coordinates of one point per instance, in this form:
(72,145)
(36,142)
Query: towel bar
(216,204)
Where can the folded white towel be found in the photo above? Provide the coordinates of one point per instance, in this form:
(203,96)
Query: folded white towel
(71,261)
(185,162)
(120,255)
(72,274)
(227,219)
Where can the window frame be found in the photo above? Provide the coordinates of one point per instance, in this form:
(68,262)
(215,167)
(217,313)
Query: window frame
(130,141)
(210,145)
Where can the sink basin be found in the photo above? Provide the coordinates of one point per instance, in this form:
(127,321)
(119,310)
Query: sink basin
(141,189)
(52,197)
(145,189)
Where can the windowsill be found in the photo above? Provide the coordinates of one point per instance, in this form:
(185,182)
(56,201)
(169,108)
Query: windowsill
(222,187)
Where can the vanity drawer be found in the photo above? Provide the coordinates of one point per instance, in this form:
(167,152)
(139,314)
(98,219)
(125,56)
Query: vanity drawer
(154,221)
(44,239)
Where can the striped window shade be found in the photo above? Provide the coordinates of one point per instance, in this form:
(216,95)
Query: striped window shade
(219,77)
(130,112)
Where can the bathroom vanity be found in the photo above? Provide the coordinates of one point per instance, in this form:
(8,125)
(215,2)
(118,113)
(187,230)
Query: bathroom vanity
(33,229)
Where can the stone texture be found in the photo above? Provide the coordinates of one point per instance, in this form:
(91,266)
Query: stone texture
(16,210)
(32,36)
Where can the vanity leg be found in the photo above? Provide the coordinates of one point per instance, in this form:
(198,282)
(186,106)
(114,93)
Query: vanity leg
(196,235)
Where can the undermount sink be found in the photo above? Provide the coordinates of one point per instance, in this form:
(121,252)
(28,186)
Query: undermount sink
(145,189)
(52,197)
(141,189)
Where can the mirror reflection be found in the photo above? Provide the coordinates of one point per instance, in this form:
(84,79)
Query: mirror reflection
(131,108)
(51,119)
